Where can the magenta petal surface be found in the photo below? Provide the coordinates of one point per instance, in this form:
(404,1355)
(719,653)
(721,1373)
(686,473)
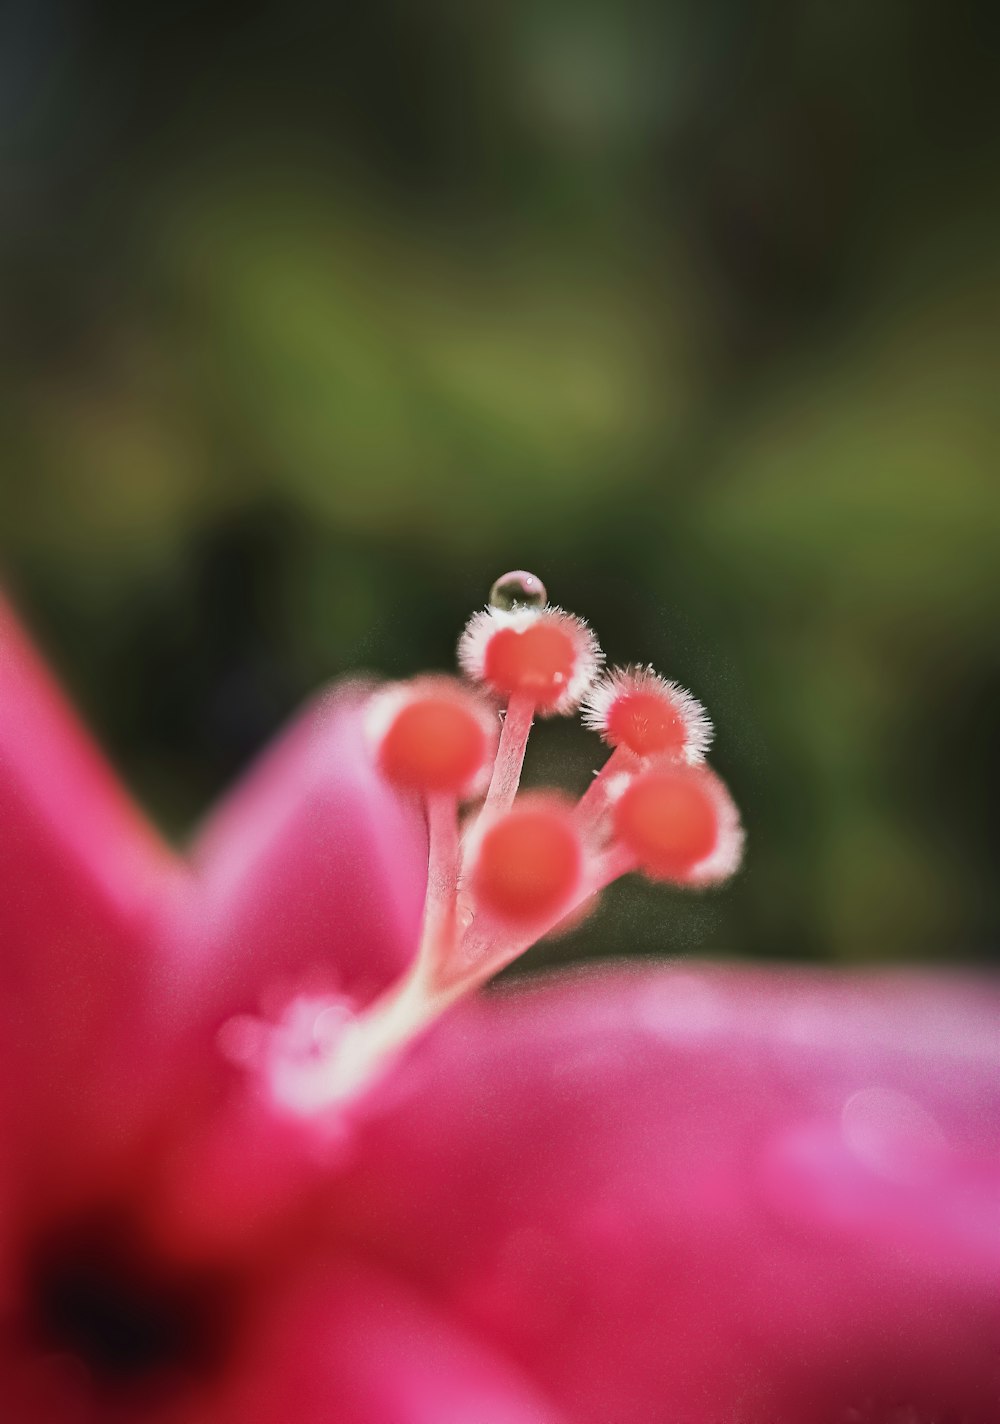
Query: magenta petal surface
(708,1196)
(356,1346)
(308,881)
(82,871)
(311,872)
(85,881)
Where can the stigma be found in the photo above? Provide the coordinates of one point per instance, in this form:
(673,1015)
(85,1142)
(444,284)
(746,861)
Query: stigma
(543,654)
(636,708)
(504,869)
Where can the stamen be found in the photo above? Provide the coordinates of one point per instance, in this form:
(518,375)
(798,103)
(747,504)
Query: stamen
(506,778)
(593,804)
(529,863)
(437,941)
(640,715)
(434,736)
(541,660)
(635,708)
(680,823)
(545,654)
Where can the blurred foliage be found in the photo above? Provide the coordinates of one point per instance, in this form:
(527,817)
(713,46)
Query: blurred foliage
(317,318)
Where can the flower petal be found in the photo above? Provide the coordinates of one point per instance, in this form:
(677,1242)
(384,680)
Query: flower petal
(312,868)
(82,870)
(356,1346)
(84,880)
(309,881)
(710,1195)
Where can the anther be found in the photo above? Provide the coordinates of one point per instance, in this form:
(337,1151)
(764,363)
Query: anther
(434,736)
(680,824)
(529,863)
(543,654)
(518,589)
(635,708)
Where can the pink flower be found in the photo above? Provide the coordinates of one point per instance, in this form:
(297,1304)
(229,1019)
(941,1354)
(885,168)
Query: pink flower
(252,1176)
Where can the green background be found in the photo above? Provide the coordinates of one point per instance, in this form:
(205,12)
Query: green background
(317,318)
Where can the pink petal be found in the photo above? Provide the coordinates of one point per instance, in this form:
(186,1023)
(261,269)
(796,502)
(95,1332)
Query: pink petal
(82,870)
(311,871)
(309,880)
(84,882)
(708,1195)
(356,1346)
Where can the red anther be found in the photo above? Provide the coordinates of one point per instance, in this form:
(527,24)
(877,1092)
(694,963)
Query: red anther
(680,824)
(646,724)
(545,655)
(635,708)
(434,736)
(538,661)
(529,863)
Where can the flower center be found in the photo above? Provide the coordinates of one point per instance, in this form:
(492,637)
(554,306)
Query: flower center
(93,1294)
(512,872)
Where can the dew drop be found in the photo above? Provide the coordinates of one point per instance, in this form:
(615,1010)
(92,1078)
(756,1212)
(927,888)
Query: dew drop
(518,589)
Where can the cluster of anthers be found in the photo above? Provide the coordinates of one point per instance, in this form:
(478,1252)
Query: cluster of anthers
(516,867)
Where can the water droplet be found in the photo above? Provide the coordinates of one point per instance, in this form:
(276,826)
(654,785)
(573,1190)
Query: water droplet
(518,589)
